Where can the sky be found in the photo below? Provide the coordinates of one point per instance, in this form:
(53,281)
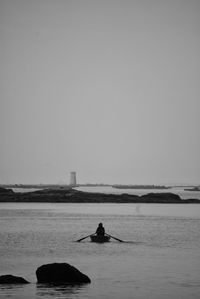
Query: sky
(109,89)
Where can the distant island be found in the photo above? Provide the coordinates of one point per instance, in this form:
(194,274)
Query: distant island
(57,186)
(50,186)
(69,195)
(193,189)
(140,187)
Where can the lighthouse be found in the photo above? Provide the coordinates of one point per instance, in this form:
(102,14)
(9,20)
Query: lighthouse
(73,178)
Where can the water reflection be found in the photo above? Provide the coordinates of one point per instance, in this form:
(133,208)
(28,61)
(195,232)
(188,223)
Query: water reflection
(58,291)
(16,291)
(138,209)
(8,286)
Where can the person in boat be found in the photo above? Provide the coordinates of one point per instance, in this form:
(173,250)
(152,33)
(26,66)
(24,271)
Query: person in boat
(100,230)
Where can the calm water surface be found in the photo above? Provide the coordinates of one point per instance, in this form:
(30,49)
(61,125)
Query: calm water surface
(161,258)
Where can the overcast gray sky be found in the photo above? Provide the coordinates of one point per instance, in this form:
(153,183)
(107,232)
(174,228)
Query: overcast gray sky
(108,88)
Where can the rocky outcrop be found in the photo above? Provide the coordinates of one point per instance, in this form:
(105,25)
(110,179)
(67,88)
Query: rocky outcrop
(74,196)
(6,191)
(60,273)
(11,279)
(161,197)
(7,195)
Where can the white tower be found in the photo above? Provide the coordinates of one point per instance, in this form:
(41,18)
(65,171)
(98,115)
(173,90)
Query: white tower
(72,178)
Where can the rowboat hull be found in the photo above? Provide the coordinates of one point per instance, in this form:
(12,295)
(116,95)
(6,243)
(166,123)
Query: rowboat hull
(100,239)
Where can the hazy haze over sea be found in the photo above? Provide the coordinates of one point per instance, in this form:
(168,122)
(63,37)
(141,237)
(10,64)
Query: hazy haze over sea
(107,88)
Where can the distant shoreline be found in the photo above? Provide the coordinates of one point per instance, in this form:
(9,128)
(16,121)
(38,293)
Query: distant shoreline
(115,186)
(156,187)
(69,195)
(192,189)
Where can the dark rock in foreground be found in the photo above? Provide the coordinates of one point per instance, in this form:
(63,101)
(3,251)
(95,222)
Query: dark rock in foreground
(10,279)
(60,273)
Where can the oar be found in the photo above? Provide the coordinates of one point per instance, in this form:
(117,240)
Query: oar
(115,238)
(84,238)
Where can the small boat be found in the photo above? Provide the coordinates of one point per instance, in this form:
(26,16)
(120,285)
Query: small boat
(99,239)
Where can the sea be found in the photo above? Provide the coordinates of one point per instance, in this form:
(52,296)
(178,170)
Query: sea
(159,258)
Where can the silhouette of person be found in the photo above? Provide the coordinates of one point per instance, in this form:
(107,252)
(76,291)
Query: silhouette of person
(100,230)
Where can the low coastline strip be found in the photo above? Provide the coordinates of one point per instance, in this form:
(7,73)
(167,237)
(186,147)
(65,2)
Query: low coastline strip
(70,195)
